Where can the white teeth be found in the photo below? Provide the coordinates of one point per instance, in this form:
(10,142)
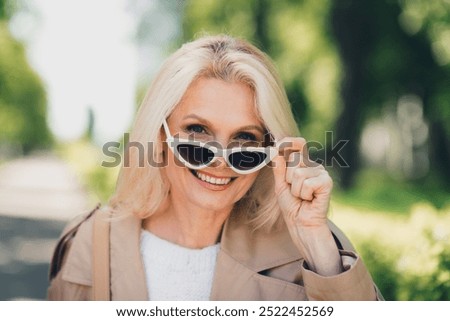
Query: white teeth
(213,180)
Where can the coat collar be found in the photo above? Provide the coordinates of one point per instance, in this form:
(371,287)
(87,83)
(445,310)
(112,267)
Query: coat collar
(257,250)
(254,250)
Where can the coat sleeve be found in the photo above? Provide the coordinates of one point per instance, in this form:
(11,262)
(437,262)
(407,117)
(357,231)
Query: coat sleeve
(354,283)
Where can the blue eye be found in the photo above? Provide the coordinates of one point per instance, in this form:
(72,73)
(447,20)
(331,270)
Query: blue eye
(246,136)
(195,128)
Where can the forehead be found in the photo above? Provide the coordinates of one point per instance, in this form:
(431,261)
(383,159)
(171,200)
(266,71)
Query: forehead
(219,102)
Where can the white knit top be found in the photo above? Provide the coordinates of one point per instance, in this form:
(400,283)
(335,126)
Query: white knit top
(174,272)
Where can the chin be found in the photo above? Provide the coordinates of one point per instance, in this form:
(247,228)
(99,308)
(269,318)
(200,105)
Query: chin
(212,200)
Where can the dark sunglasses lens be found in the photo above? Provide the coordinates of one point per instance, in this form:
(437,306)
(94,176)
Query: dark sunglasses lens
(246,160)
(195,155)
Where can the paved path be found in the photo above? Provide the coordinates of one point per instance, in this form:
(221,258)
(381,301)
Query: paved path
(38,195)
(40,187)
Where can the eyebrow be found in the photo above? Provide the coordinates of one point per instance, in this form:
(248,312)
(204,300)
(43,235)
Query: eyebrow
(249,127)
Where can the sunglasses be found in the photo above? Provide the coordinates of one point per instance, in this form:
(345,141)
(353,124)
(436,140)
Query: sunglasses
(197,155)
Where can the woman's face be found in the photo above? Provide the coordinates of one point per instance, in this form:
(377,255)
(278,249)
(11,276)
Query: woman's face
(213,110)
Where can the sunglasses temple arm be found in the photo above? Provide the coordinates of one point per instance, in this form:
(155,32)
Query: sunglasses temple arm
(166,129)
(276,146)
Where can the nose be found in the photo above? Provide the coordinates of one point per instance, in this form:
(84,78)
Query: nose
(219,163)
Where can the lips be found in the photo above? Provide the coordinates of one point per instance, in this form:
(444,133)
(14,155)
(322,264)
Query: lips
(218,181)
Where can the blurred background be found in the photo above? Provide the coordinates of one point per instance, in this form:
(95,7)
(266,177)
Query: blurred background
(374,73)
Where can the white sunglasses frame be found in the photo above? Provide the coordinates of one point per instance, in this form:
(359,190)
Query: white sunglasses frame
(172,142)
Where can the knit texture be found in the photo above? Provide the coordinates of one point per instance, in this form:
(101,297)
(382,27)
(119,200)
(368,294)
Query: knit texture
(174,272)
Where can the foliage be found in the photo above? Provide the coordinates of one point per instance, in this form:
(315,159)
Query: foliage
(408,256)
(22,98)
(381,265)
(86,159)
(344,62)
(384,60)
(293,33)
(6,9)
(375,190)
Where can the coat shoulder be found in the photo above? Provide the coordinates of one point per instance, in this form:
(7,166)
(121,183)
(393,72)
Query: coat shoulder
(70,267)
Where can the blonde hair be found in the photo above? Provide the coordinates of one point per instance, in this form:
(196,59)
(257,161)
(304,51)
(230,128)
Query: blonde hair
(141,190)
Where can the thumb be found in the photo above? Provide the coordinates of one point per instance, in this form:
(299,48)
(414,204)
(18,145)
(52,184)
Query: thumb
(288,204)
(279,173)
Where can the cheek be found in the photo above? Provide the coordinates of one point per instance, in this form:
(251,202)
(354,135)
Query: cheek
(172,170)
(252,178)
(172,164)
(246,183)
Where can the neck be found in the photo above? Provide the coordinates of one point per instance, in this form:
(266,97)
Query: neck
(187,225)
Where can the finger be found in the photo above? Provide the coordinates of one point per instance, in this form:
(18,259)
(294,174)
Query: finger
(295,161)
(279,173)
(315,186)
(296,186)
(292,144)
(299,175)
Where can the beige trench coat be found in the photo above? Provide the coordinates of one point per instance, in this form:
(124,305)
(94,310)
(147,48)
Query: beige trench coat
(250,266)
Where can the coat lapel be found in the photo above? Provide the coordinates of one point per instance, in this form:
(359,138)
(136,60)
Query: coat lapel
(128,281)
(245,255)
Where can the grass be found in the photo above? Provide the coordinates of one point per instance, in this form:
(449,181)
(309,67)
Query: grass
(407,255)
(375,190)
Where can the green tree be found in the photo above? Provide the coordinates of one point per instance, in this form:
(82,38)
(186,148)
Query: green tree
(343,61)
(293,33)
(382,62)
(23,104)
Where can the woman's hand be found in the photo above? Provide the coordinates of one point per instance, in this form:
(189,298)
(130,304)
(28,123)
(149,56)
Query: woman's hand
(303,187)
(303,190)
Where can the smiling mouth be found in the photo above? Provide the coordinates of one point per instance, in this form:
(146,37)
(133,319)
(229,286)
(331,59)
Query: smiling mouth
(212,180)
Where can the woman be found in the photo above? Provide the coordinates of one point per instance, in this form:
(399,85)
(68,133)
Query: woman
(233,211)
